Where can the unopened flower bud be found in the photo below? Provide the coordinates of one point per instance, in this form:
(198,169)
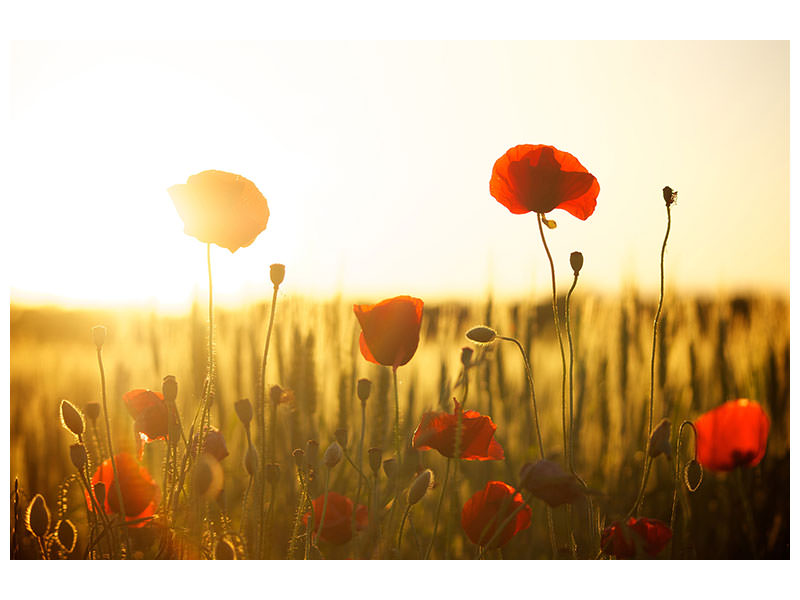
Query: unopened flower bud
(466,356)
(37,517)
(276,273)
(299,457)
(333,455)
(363,388)
(659,440)
(99,335)
(273,473)
(93,410)
(100,493)
(312,452)
(390,467)
(169,387)
(77,454)
(576,262)
(341,436)
(692,475)
(670,195)
(251,460)
(224,550)
(66,534)
(71,418)
(375,456)
(244,410)
(482,334)
(420,486)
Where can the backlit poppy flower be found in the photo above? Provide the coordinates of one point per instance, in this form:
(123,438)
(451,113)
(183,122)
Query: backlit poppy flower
(732,435)
(540,178)
(215,443)
(635,537)
(221,208)
(486,510)
(150,416)
(336,528)
(437,431)
(549,482)
(389,330)
(139,492)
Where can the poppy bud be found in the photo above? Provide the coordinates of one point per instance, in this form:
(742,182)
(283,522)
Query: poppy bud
(99,335)
(71,418)
(390,467)
(576,262)
(93,410)
(692,475)
(275,393)
(659,440)
(670,195)
(276,273)
(273,473)
(332,455)
(251,460)
(299,457)
(420,486)
(466,356)
(244,410)
(100,493)
(375,455)
(363,388)
(77,454)
(207,477)
(224,550)
(312,452)
(66,535)
(341,436)
(482,334)
(169,388)
(37,517)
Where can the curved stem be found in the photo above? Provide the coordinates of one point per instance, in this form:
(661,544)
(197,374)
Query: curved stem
(438,509)
(402,525)
(571,387)
(529,373)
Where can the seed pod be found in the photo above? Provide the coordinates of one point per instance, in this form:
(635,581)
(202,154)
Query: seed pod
(66,535)
(375,456)
(466,356)
(71,418)
(277,272)
(390,467)
(169,387)
(482,334)
(244,410)
(659,440)
(273,473)
(77,454)
(333,455)
(692,475)
(251,460)
(363,388)
(576,262)
(341,436)
(92,410)
(299,456)
(37,517)
(99,335)
(420,486)
(312,452)
(224,550)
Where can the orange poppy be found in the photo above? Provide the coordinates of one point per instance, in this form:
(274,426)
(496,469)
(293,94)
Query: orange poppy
(338,513)
(437,431)
(549,482)
(486,510)
(139,492)
(389,330)
(540,178)
(732,435)
(221,208)
(636,536)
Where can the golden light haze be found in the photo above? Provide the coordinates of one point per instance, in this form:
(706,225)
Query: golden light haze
(375,160)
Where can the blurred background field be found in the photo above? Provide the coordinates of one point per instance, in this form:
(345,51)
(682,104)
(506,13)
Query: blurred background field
(710,351)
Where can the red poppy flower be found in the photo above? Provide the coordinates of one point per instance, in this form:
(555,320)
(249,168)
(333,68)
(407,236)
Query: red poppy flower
(732,435)
(549,482)
(338,513)
(437,431)
(389,330)
(540,178)
(221,208)
(150,416)
(139,492)
(486,510)
(636,536)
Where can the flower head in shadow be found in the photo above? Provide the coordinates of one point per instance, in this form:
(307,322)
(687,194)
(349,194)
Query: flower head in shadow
(635,538)
(336,528)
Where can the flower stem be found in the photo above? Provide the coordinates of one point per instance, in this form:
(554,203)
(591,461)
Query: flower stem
(397,420)
(402,525)
(325,503)
(748,512)
(529,373)
(438,510)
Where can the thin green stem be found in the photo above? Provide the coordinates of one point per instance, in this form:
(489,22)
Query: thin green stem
(571,380)
(402,525)
(438,509)
(361,475)
(560,340)
(397,420)
(529,373)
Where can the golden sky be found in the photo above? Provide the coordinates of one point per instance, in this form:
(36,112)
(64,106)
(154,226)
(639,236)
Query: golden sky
(375,160)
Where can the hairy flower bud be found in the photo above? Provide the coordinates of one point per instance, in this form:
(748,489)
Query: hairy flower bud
(576,262)
(466,356)
(333,455)
(363,388)
(692,475)
(482,334)
(71,418)
(420,486)
(92,410)
(77,454)
(375,456)
(66,534)
(37,517)
(99,335)
(277,272)
(244,410)
(169,387)
(659,440)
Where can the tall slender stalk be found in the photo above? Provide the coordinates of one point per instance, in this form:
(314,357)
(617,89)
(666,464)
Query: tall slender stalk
(438,509)
(396,420)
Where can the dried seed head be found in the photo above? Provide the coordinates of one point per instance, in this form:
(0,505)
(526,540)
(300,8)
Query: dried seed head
(420,486)
(670,195)
(659,440)
(299,456)
(244,410)
(312,452)
(66,534)
(77,454)
(333,455)
(341,436)
(100,493)
(169,387)
(71,418)
(390,467)
(273,473)
(276,274)
(375,456)
(251,460)
(37,517)
(93,410)
(99,335)
(363,388)
(576,262)
(207,477)
(466,356)
(224,550)
(482,334)
(275,393)
(693,475)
